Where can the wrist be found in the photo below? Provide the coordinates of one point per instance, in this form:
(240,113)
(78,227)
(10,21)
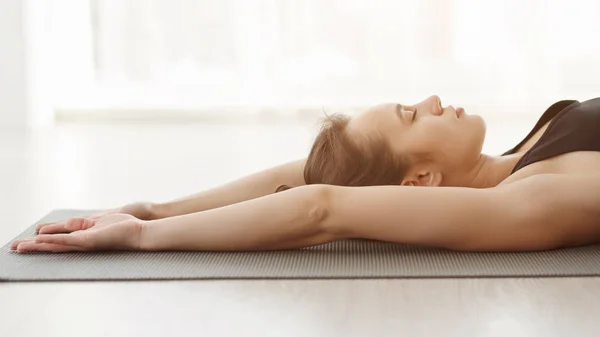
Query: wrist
(158,211)
(150,235)
(141,210)
(144,243)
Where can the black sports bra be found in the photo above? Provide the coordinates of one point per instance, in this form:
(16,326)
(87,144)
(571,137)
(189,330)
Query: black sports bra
(575,127)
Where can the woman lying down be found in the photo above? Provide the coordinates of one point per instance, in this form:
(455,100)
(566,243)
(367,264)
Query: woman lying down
(400,173)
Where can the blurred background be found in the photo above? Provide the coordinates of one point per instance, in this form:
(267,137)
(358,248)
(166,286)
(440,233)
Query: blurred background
(80,59)
(104,102)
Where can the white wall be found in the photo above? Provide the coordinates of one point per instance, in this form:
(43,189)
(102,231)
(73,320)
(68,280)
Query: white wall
(14,109)
(26,68)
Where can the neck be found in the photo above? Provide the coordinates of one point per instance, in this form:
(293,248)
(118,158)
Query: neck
(491,170)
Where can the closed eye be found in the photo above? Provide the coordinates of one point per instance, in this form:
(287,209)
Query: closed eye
(399,111)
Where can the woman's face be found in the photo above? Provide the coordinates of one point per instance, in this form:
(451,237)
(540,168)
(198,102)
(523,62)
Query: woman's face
(436,138)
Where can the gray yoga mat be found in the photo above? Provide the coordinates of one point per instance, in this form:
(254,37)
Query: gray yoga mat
(342,259)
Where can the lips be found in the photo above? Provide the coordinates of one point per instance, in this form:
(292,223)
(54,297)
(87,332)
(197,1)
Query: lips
(459,112)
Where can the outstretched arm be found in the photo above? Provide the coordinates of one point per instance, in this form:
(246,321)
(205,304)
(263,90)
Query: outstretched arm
(456,218)
(289,219)
(537,213)
(245,188)
(525,215)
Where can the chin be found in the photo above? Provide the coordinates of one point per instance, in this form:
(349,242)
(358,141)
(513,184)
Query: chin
(478,122)
(482,122)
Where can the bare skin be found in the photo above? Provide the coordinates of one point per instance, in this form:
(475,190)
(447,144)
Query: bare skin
(481,207)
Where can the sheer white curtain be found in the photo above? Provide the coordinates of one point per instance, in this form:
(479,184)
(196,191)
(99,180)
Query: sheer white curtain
(294,54)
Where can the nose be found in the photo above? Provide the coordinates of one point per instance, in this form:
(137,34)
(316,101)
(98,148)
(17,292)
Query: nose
(436,104)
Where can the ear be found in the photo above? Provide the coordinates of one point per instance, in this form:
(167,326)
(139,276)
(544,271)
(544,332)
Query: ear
(423,178)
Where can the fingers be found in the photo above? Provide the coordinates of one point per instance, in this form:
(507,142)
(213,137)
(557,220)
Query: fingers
(79,224)
(71,225)
(32,246)
(15,243)
(61,239)
(42,225)
(59,227)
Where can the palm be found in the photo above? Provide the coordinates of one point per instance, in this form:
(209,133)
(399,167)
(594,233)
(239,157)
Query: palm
(138,210)
(112,231)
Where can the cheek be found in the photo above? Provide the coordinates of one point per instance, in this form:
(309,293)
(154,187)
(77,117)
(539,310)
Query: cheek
(432,138)
(446,142)
(448,139)
(439,134)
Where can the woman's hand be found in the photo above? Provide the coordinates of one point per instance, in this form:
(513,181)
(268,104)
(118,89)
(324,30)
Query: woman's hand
(114,231)
(140,210)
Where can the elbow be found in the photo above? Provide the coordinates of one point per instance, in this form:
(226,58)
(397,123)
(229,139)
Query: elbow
(319,212)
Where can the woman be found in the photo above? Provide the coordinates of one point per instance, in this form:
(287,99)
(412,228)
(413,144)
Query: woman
(409,174)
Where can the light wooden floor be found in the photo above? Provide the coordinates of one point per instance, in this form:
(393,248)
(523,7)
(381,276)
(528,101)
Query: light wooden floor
(83,166)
